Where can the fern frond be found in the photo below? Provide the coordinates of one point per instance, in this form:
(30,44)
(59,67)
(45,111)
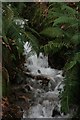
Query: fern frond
(33,40)
(53,14)
(76,39)
(74,60)
(66,20)
(7,17)
(33,31)
(70,11)
(54,46)
(70,64)
(52,32)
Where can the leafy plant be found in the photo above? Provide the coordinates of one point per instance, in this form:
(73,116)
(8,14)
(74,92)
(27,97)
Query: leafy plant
(64,33)
(52,28)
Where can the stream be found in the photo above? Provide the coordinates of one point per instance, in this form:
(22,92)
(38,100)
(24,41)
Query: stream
(45,102)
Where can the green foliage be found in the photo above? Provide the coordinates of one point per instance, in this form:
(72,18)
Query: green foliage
(15,32)
(69,10)
(52,27)
(11,31)
(66,20)
(70,64)
(9,14)
(54,47)
(52,32)
(62,31)
(76,39)
(31,38)
(70,96)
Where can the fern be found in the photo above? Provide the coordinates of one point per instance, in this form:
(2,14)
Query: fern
(15,32)
(33,40)
(67,25)
(52,32)
(76,39)
(70,11)
(53,14)
(71,88)
(33,31)
(54,46)
(73,61)
(54,28)
(65,19)
(70,64)
(7,18)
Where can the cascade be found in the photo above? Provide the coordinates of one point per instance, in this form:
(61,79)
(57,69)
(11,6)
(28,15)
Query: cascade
(45,101)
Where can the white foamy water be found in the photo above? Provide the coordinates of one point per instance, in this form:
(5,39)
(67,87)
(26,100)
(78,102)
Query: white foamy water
(45,98)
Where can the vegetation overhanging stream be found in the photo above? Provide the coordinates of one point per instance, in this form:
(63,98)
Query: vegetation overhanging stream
(41,59)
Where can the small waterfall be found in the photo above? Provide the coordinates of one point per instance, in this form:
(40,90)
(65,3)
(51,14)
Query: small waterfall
(45,97)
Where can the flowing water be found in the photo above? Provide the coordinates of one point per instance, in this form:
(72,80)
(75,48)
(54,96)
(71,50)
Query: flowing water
(45,102)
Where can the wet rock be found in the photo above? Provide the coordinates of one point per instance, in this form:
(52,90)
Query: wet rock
(55,112)
(28,87)
(39,71)
(22,90)
(51,85)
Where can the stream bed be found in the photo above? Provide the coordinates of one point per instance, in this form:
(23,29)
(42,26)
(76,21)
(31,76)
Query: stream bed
(45,102)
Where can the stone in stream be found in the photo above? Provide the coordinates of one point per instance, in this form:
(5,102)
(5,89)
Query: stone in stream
(51,85)
(39,71)
(56,112)
(28,87)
